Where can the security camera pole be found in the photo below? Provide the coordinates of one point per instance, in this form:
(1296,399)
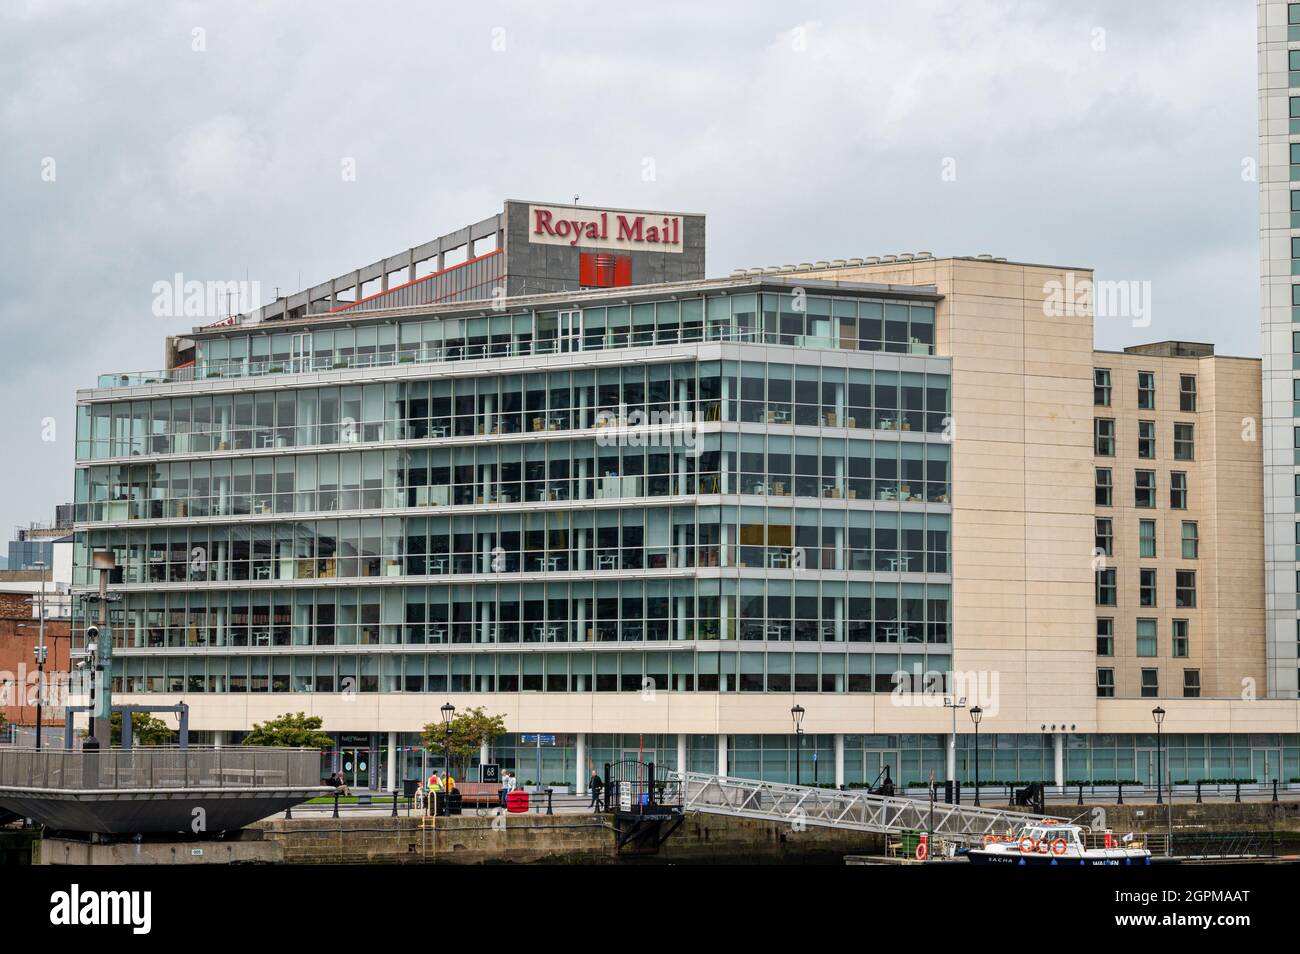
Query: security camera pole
(101,704)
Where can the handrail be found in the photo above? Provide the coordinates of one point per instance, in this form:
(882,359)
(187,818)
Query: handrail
(153,768)
(855,810)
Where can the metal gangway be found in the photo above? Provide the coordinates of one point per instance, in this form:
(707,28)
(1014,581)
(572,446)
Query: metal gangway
(851,810)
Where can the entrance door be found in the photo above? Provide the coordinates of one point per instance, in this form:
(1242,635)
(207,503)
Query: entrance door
(1265,765)
(1146,766)
(300,352)
(874,762)
(356,767)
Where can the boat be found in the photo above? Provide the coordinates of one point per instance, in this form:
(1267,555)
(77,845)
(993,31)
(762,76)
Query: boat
(1050,842)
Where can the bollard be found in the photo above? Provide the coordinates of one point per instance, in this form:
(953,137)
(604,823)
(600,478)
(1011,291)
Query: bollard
(1121,794)
(336,804)
(1275,790)
(1238,798)
(394,804)
(1198,793)
(549,811)
(1080,802)
(288,813)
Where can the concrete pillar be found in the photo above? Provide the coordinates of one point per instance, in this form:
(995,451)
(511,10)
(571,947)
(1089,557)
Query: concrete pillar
(218,739)
(392,761)
(839,759)
(484,754)
(952,758)
(722,755)
(681,752)
(580,768)
(1058,757)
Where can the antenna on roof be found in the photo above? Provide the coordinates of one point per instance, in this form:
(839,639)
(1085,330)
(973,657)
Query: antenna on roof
(575,198)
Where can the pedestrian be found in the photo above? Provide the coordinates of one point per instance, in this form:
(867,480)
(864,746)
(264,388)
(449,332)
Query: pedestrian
(504,790)
(597,785)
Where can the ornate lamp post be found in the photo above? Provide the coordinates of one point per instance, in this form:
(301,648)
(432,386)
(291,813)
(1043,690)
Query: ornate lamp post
(976,713)
(1159,715)
(796,713)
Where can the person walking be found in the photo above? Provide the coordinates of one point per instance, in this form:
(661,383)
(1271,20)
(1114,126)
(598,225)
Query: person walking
(596,785)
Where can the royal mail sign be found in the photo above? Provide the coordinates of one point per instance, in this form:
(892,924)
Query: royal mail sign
(605,228)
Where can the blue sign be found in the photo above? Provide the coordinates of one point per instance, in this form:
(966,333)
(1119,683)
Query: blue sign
(537,739)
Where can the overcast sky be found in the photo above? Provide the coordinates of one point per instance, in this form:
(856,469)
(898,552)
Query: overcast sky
(209,139)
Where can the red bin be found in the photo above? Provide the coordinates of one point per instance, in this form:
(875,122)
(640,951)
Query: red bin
(517,801)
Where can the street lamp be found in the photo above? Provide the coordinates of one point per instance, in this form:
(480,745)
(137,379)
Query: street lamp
(1159,715)
(976,713)
(796,713)
(448,711)
(40,653)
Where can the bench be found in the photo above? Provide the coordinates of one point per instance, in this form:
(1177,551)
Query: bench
(479,794)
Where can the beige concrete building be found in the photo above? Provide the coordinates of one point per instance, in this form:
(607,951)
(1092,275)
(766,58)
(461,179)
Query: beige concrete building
(894,503)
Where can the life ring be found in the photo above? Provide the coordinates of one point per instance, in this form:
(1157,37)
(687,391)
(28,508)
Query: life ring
(991,839)
(1059,846)
(1033,844)
(922,850)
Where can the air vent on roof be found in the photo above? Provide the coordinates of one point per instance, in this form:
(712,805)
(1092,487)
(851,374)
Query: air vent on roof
(755,271)
(804,267)
(786,268)
(823,265)
(904,256)
(999,259)
(837,263)
(985,257)
(872,260)
(924,255)
(737,272)
(770,270)
(888,259)
(855,261)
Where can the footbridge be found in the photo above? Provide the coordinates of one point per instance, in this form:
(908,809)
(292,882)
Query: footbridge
(850,810)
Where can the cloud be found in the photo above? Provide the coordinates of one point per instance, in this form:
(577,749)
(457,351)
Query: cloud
(804,134)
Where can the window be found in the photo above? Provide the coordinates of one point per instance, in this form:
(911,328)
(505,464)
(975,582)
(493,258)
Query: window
(1192,683)
(1178,490)
(1101,387)
(1191,540)
(1104,437)
(1146,637)
(1147,440)
(1146,390)
(1144,489)
(1105,636)
(1103,486)
(1147,539)
(1184,443)
(1147,587)
(1187,393)
(1185,589)
(1150,683)
(1105,683)
(1106,537)
(1182,640)
(1106,587)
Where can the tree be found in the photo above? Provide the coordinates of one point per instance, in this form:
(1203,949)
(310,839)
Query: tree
(291,730)
(147,730)
(470,730)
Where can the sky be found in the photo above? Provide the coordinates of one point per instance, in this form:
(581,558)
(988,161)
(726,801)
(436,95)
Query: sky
(288,142)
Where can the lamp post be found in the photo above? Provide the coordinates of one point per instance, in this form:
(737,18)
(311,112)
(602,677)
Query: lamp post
(976,713)
(40,653)
(796,713)
(448,711)
(1159,715)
